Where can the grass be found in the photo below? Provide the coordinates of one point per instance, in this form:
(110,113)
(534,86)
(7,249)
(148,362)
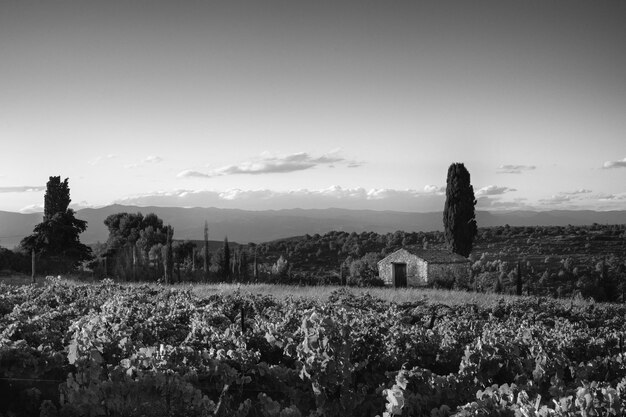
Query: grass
(401,295)
(321,293)
(11,278)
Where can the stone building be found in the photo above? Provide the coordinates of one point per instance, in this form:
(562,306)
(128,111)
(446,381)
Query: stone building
(419,267)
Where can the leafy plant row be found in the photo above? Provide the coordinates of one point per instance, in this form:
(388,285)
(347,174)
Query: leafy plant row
(106,349)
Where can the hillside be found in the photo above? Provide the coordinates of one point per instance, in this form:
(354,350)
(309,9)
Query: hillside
(261,226)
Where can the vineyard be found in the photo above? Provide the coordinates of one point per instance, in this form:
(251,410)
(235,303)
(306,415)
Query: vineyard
(113,350)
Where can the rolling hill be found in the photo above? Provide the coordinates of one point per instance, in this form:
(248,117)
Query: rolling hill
(259,226)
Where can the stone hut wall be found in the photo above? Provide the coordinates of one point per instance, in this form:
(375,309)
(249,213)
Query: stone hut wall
(420,272)
(443,271)
(415,268)
(421,276)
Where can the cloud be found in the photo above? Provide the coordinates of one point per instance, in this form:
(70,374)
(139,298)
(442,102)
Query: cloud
(82,205)
(273,164)
(265,199)
(610,197)
(576,192)
(585,199)
(556,199)
(493,190)
(32,208)
(38,208)
(188,173)
(514,169)
(21,189)
(150,159)
(615,164)
(433,189)
(497,204)
(98,159)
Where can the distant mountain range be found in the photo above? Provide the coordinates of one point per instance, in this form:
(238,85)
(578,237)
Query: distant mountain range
(260,226)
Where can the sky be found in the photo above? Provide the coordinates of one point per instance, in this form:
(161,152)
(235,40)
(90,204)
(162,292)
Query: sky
(313,104)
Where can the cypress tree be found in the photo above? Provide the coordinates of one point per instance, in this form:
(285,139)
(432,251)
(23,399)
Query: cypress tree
(57,197)
(459,218)
(56,239)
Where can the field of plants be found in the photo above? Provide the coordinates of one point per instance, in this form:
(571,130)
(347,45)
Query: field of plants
(112,350)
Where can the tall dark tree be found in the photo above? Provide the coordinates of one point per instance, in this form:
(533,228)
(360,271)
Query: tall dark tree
(459,218)
(56,237)
(57,197)
(226,259)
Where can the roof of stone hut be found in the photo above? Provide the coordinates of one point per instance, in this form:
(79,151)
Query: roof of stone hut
(435,256)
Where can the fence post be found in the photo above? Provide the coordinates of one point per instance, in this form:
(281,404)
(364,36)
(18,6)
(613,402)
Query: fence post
(134,264)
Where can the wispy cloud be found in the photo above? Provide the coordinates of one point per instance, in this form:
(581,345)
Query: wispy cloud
(585,199)
(189,173)
(514,169)
(611,197)
(32,208)
(434,189)
(264,199)
(150,159)
(22,189)
(615,164)
(556,199)
(275,164)
(580,191)
(493,190)
(101,158)
(489,203)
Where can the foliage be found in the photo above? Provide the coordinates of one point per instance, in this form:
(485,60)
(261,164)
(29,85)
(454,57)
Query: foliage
(154,351)
(56,238)
(281,267)
(134,246)
(459,219)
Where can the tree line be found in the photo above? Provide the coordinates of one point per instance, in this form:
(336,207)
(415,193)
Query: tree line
(504,259)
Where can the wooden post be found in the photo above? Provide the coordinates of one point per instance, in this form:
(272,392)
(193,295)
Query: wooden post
(169,257)
(134,263)
(341,275)
(518,279)
(256,268)
(32,265)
